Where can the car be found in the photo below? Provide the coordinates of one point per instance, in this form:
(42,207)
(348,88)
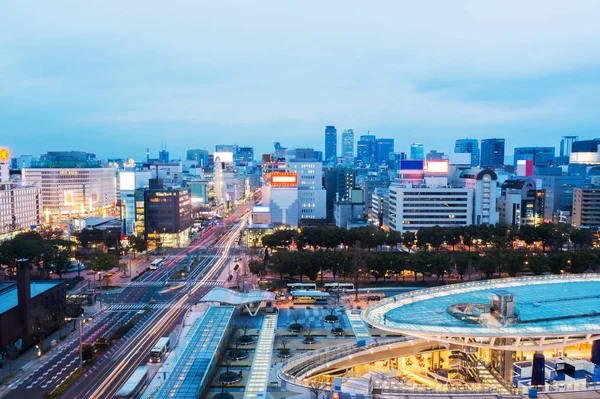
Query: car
(374,298)
(152,301)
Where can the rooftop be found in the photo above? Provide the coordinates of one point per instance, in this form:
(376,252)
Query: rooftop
(9,295)
(230,297)
(545,305)
(189,375)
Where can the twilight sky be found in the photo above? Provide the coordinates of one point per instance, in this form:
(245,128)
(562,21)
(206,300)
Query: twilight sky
(114,77)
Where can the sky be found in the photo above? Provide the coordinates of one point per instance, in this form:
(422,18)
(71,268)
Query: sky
(115,77)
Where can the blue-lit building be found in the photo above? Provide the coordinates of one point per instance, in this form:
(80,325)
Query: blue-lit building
(365,149)
(417,152)
(468,146)
(541,156)
(384,148)
(330,144)
(492,153)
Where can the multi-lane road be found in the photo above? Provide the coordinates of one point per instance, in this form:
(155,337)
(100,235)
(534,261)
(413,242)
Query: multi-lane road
(108,373)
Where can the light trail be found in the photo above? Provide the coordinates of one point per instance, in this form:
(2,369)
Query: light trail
(162,320)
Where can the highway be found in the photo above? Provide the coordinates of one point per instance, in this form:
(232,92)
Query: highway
(107,378)
(111,370)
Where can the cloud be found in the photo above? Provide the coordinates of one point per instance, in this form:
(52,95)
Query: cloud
(283,70)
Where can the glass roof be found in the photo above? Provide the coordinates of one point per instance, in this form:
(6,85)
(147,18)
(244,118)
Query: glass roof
(545,305)
(189,375)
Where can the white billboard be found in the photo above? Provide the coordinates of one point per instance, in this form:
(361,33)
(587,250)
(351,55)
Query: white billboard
(127,181)
(223,156)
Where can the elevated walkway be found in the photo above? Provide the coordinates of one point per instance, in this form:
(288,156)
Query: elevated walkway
(361,331)
(256,387)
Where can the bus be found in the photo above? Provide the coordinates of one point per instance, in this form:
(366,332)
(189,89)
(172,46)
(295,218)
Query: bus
(160,350)
(156,264)
(302,286)
(310,297)
(134,385)
(341,287)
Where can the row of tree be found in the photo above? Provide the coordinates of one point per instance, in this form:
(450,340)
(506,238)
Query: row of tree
(397,265)
(50,254)
(546,237)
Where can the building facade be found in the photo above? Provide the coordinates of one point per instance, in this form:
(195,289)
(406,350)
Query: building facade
(541,156)
(73,192)
(20,208)
(468,146)
(330,144)
(492,153)
(417,152)
(586,207)
(167,215)
(348,147)
(411,207)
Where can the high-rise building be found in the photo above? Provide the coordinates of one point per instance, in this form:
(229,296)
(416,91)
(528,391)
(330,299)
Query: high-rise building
(365,149)
(586,208)
(417,152)
(330,144)
(312,197)
(167,215)
(384,148)
(468,146)
(492,153)
(348,146)
(521,203)
(339,183)
(541,156)
(200,157)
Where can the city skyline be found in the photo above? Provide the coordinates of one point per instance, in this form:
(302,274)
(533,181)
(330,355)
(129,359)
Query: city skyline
(96,75)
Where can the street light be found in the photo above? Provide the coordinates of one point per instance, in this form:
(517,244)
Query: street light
(81,321)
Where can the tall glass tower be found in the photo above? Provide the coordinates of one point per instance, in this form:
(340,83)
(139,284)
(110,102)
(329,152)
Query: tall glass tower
(417,152)
(330,144)
(348,146)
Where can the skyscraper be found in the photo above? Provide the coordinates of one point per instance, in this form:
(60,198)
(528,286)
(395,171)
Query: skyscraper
(348,146)
(417,152)
(330,144)
(468,146)
(383,149)
(492,153)
(365,149)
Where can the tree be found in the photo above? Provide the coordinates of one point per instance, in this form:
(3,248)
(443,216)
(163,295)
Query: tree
(284,341)
(137,244)
(101,261)
(538,263)
(89,236)
(582,238)
(408,239)
(317,388)
(256,267)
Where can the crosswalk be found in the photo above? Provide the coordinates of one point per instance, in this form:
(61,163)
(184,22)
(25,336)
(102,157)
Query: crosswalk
(210,283)
(147,284)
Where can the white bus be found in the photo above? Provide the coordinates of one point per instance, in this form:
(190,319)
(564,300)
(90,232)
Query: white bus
(160,350)
(342,287)
(133,386)
(310,297)
(302,286)
(156,264)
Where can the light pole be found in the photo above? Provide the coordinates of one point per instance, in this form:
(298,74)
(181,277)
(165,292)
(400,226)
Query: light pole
(81,321)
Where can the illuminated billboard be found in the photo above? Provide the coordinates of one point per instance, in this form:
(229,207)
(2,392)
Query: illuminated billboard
(69,198)
(223,156)
(261,209)
(4,154)
(127,181)
(411,164)
(436,167)
(284,179)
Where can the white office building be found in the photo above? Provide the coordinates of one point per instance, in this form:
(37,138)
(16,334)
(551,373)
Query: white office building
(20,209)
(73,192)
(485,195)
(312,197)
(411,207)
